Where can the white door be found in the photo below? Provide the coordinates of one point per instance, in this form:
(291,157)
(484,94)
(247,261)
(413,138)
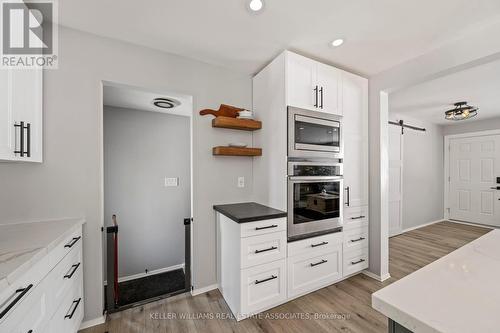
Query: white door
(6,123)
(329,94)
(355,127)
(474,165)
(395,180)
(301,78)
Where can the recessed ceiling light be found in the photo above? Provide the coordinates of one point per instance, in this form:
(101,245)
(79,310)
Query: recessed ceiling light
(256,5)
(337,42)
(166,103)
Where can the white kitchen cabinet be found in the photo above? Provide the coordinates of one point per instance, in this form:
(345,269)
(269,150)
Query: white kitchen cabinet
(355,126)
(21,115)
(312,85)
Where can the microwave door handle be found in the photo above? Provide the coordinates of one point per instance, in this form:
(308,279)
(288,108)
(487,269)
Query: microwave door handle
(315,178)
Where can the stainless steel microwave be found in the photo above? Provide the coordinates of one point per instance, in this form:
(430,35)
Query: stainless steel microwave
(313,134)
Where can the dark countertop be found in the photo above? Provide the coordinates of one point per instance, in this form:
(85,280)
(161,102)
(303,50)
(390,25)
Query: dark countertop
(249,212)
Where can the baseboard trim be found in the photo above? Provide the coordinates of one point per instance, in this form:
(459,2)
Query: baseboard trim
(203,290)
(422,225)
(377,277)
(473,224)
(93,322)
(141,275)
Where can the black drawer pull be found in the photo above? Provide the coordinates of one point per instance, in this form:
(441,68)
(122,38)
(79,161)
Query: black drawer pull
(21,293)
(77,302)
(265,280)
(268,227)
(30,331)
(73,242)
(358,217)
(357,262)
(265,250)
(70,275)
(319,263)
(357,240)
(319,244)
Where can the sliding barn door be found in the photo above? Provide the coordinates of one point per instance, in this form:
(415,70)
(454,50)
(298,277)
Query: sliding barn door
(474,165)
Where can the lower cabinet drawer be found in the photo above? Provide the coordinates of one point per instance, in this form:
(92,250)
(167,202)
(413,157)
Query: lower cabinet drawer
(315,244)
(262,287)
(355,239)
(355,261)
(355,217)
(262,249)
(69,315)
(307,273)
(30,315)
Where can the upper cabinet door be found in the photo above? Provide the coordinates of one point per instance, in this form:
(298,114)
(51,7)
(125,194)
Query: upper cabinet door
(6,123)
(301,77)
(329,82)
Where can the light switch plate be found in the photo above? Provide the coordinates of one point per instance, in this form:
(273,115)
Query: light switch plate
(171,182)
(241,182)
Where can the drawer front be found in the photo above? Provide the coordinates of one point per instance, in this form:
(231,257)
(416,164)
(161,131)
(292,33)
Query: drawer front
(315,244)
(65,247)
(262,287)
(262,227)
(355,261)
(69,314)
(61,278)
(30,313)
(263,249)
(356,238)
(306,273)
(355,217)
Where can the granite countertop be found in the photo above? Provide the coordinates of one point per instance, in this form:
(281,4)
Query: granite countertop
(249,212)
(458,293)
(23,244)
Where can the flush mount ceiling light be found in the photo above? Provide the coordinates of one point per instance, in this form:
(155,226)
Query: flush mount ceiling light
(165,103)
(255,5)
(461,111)
(337,42)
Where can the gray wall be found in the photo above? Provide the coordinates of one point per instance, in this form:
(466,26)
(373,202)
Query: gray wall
(141,148)
(68,183)
(423,173)
(472,126)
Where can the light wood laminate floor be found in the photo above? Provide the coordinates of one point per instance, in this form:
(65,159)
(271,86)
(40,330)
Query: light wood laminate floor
(347,304)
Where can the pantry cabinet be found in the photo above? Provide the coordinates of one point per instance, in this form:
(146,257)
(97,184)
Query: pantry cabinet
(312,85)
(21,115)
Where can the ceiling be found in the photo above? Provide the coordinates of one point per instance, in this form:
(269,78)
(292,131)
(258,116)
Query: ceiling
(123,96)
(480,86)
(379,34)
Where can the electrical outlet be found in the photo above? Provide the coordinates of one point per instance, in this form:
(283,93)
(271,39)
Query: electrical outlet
(171,182)
(241,182)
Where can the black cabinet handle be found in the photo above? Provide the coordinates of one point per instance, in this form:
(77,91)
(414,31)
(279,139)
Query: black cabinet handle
(30,331)
(74,268)
(357,262)
(73,242)
(265,250)
(268,227)
(77,302)
(21,151)
(348,202)
(319,244)
(357,240)
(21,293)
(358,217)
(316,97)
(28,139)
(321,96)
(319,263)
(265,280)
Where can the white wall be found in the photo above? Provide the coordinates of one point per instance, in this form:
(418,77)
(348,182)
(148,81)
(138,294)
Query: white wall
(68,183)
(423,172)
(472,126)
(141,148)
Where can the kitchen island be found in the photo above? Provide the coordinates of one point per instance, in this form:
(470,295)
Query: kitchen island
(458,293)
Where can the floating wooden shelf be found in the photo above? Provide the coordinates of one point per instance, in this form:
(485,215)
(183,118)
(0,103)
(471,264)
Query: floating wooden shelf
(236,123)
(235,151)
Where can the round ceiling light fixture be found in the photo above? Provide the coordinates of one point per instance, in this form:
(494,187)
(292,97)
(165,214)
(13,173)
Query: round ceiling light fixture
(337,42)
(166,103)
(461,111)
(256,5)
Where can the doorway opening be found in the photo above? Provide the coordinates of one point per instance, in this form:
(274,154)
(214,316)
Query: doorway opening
(147,186)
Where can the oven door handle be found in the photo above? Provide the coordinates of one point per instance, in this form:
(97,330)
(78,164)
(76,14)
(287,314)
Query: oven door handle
(313,178)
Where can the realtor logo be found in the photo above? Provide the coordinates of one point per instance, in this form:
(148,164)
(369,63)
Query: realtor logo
(29,34)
